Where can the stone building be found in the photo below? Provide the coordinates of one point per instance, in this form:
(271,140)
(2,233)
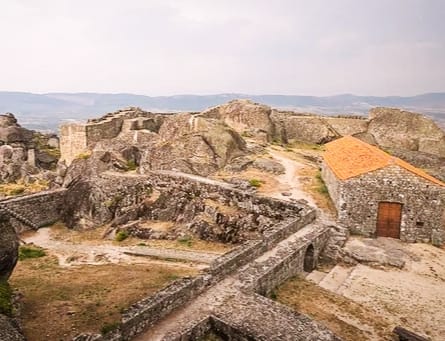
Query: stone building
(376,194)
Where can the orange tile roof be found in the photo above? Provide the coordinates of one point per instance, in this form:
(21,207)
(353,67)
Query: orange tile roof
(348,157)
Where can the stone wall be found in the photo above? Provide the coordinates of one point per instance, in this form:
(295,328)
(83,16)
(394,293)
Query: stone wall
(332,184)
(347,126)
(147,312)
(264,277)
(40,209)
(73,141)
(357,201)
(77,138)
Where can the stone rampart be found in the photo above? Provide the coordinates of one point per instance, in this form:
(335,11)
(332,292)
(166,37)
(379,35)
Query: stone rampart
(147,312)
(35,210)
(77,138)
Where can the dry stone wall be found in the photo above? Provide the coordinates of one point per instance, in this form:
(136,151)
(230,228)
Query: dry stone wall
(35,210)
(147,312)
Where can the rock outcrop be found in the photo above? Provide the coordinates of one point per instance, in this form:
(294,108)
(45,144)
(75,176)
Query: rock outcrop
(10,330)
(192,144)
(9,246)
(24,153)
(245,117)
(399,129)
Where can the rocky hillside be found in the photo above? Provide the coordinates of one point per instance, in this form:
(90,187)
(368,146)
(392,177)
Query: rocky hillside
(214,140)
(25,154)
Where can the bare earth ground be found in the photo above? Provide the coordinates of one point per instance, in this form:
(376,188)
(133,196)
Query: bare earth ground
(366,303)
(59,302)
(346,318)
(84,282)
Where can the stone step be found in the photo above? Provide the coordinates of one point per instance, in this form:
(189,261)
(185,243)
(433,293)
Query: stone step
(336,278)
(316,276)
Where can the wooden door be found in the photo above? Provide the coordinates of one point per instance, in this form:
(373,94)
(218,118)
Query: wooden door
(388,219)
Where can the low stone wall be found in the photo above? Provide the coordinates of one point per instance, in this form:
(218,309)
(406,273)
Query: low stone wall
(232,260)
(40,209)
(227,194)
(147,312)
(196,332)
(264,277)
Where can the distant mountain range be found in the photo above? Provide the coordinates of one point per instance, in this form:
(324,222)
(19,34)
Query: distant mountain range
(47,111)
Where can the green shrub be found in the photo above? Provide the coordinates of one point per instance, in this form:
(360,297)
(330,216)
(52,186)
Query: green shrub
(131,165)
(321,186)
(84,156)
(121,235)
(26,252)
(5,298)
(17,190)
(113,202)
(273,295)
(109,327)
(255,183)
(185,240)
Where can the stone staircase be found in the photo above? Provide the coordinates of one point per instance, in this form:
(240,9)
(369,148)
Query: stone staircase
(335,280)
(17,216)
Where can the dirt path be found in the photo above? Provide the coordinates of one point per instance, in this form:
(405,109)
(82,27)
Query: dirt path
(290,180)
(69,253)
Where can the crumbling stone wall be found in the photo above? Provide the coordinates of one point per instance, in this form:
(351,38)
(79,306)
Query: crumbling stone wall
(77,138)
(357,201)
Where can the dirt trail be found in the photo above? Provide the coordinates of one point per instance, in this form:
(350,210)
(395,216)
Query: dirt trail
(69,253)
(290,180)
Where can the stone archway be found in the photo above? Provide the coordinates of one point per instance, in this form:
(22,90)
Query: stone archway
(309,259)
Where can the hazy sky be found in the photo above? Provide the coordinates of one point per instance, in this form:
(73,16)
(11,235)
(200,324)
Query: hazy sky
(316,47)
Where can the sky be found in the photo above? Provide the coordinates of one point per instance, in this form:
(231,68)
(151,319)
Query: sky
(166,47)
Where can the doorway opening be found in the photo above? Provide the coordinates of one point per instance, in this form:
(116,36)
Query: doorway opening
(309,259)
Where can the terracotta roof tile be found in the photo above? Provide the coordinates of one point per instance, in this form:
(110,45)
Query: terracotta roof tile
(348,157)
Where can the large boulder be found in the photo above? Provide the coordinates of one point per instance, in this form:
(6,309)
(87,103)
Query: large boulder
(192,144)
(7,120)
(15,134)
(399,129)
(245,117)
(9,246)
(24,152)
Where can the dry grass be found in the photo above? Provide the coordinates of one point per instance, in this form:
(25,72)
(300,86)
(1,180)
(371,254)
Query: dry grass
(346,318)
(313,185)
(299,145)
(196,244)
(269,183)
(94,236)
(19,188)
(58,303)
(158,225)
(60,232)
